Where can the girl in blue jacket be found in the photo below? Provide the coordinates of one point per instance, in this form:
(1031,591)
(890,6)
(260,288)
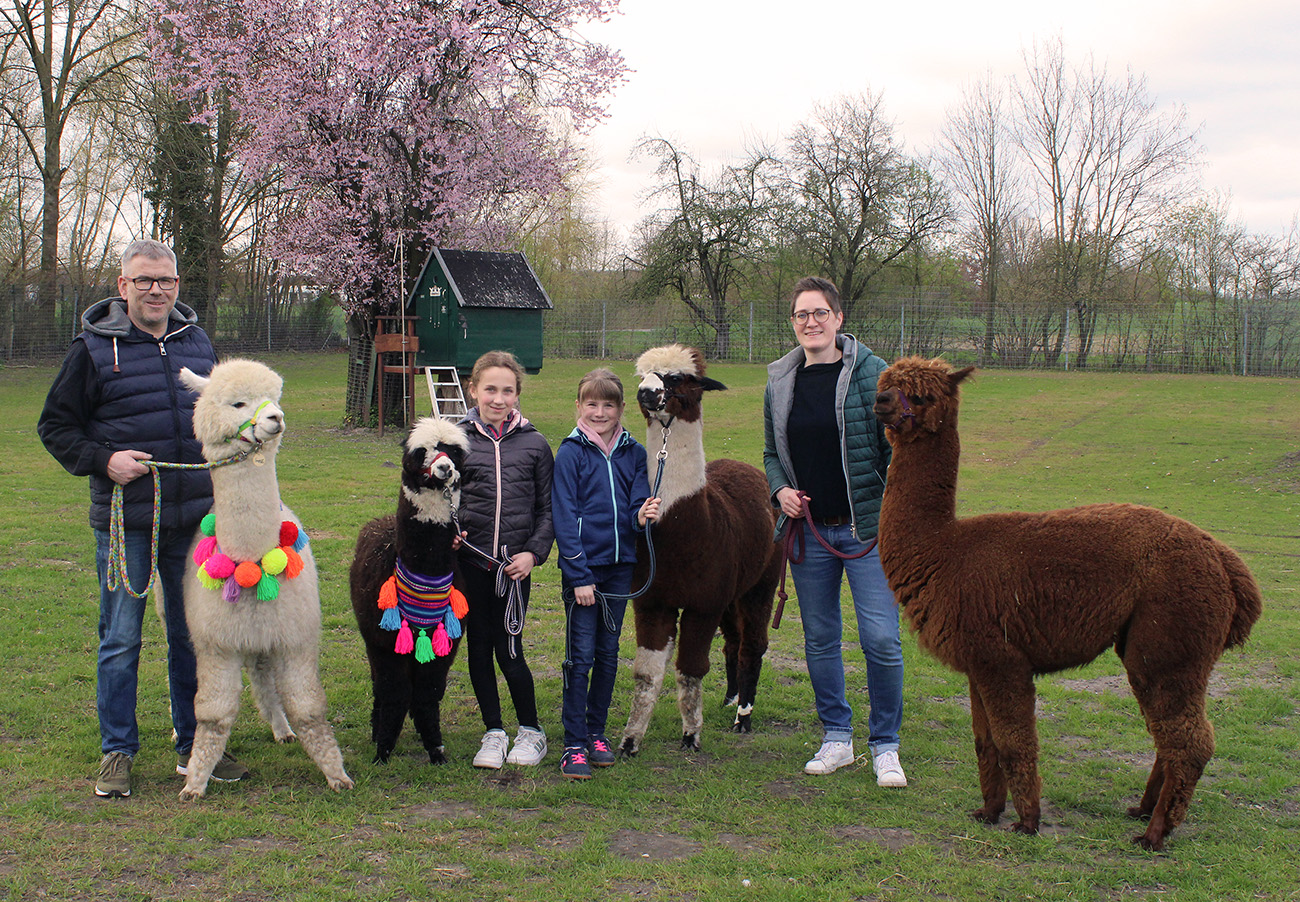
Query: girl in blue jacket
(599,499)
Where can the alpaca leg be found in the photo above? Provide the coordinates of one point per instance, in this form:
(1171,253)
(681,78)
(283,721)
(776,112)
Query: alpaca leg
(428,685)
(1009,708)
(304,703)
(267,696)
(690,702)
(655,631)
(390,686)
(215,706)
(731,658)
(1155,783)
(1174,705)
(993,780)
(753,611)
(694,637)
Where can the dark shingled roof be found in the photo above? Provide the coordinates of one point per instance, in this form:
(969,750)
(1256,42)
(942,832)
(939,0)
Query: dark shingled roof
(493,279)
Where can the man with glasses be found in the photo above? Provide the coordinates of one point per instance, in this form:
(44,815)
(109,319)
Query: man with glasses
(116,403)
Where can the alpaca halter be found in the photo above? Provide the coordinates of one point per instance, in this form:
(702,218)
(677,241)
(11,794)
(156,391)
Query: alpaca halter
(219,571)
(250,423)
(428,602)
(118,574)
(907,413)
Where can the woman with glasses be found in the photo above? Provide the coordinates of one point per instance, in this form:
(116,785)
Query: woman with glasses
(823,447)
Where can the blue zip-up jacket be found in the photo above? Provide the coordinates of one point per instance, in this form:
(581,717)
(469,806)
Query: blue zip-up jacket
(119,388)
(864,450)
(594,502)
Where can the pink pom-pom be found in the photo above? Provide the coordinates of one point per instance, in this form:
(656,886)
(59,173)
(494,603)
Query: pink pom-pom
(220,565)
(405,641)
(441,643)
(204,549)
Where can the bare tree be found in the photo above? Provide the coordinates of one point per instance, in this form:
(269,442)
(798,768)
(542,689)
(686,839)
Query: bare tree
(1108,162)
(978,155)
(859,201)
(56,56)
(698,244)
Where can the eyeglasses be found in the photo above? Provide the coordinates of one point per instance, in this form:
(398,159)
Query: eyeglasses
(144,283)
(821,315)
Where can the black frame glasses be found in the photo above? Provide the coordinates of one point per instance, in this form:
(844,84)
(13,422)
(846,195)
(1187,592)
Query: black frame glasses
(144,283)
(820,315)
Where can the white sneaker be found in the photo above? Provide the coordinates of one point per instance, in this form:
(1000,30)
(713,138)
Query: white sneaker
(830,757)
(889,772)
(530,747)
(492,749)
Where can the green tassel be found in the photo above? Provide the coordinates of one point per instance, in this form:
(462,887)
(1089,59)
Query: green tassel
(268,588)
(424,648)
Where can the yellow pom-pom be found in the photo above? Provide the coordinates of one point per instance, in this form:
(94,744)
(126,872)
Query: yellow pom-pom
(459,605)
(248,574)
(274,561)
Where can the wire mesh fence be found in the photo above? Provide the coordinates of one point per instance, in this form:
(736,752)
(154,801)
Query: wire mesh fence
(1229,336)
(1246,338)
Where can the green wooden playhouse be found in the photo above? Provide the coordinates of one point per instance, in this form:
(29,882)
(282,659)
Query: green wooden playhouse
(470,302)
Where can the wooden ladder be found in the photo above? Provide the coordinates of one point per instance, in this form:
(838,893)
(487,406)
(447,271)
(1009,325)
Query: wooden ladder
(445,392)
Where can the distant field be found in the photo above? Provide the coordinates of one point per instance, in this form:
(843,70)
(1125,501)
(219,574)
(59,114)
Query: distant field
(1220,451)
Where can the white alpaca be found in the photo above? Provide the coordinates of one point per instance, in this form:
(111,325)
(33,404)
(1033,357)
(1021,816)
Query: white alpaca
(266,614)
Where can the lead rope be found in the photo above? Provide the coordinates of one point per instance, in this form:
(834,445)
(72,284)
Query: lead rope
(118,572)
(793,537)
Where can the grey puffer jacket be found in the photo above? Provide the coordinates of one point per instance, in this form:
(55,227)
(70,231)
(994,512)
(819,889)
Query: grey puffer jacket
(506,498)
(864,450)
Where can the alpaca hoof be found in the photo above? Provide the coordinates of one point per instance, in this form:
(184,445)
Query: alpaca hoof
(381,756)
(438,755)
(286,738)
(1022,827)
(731,701)
(690,742)
(628,749)
(742,725)
(986,817)
(1138,813)
(342,783)
(1151,845)
(190,795)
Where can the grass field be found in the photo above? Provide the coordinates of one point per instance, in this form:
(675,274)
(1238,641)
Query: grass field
(738,820)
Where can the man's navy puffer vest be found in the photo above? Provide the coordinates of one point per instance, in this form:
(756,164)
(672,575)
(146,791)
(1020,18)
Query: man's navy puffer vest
(144,406)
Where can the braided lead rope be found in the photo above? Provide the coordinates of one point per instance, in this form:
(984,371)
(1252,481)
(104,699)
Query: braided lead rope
(118,573)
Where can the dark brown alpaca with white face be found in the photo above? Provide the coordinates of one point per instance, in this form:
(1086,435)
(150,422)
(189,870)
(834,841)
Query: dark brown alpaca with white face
(717,563)
(1005,597)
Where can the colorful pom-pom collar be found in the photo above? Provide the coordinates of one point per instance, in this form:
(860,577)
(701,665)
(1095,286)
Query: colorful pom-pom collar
(411,599)
(220,571)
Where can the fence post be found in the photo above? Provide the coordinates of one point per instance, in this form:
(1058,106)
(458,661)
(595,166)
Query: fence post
(1245,335)
(751,331)
(1067,338)
(603,305)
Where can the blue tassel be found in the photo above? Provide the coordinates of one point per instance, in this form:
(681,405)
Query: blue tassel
(391,620)
(452,623)
(301,542)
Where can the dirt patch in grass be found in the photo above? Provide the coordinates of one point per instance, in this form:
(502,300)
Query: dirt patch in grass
(893,839)
(638,844)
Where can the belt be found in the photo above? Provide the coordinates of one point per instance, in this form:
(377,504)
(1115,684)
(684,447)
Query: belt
(844,520)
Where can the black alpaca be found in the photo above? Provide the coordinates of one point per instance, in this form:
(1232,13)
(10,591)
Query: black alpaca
(421,534)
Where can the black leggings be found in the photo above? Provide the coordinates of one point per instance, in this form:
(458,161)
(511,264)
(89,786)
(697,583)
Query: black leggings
(486,637)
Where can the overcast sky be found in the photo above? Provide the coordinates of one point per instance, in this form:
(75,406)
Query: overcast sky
(711,74)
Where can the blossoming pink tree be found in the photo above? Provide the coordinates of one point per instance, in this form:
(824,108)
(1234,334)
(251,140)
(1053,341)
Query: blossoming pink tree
(394,123)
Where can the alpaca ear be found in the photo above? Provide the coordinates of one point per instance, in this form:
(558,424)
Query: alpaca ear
(959,376)
(192,380)
(708,384)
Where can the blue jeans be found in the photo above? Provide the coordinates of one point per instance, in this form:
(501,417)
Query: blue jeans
(121,621)
(593,652)
(817,584)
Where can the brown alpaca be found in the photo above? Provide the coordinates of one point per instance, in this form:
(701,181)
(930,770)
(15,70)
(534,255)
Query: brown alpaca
(1004,597)
(716,561)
